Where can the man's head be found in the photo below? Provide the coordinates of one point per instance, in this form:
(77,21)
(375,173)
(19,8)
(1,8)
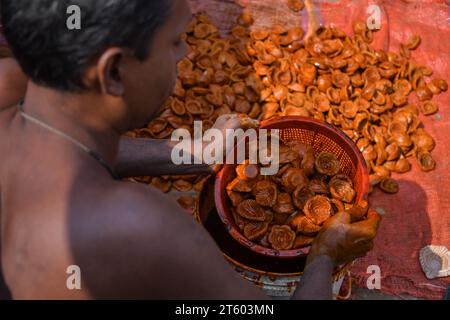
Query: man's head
(126,50)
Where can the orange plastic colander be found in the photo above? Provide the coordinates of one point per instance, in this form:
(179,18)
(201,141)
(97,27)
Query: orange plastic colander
(322,137)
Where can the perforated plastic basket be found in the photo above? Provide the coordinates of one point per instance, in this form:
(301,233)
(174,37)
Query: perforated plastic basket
(322,137)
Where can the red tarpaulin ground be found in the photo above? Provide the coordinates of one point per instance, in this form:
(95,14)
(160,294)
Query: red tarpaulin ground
(420,213)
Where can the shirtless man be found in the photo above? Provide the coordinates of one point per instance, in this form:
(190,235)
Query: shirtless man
(60,151)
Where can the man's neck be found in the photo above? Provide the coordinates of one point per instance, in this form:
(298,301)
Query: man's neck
(76,115)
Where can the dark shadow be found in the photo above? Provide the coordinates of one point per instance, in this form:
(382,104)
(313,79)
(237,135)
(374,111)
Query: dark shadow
(404,231)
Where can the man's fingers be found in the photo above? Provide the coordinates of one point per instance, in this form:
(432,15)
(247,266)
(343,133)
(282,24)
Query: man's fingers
(373,220)
(222,120)
(342,217)
(358,212)
(234,124)
(366,229)
(249,123)
(375,217)
(235,121)
(227,121)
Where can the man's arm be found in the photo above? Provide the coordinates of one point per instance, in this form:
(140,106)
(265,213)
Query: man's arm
(152,157)
(316,280)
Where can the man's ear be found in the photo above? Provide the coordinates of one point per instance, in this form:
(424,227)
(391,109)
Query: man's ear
(109,72)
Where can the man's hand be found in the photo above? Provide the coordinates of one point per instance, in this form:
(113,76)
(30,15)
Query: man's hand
(344,241)
(233,122)
(340,241)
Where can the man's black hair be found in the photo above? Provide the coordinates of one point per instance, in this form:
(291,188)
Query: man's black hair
(55,57)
